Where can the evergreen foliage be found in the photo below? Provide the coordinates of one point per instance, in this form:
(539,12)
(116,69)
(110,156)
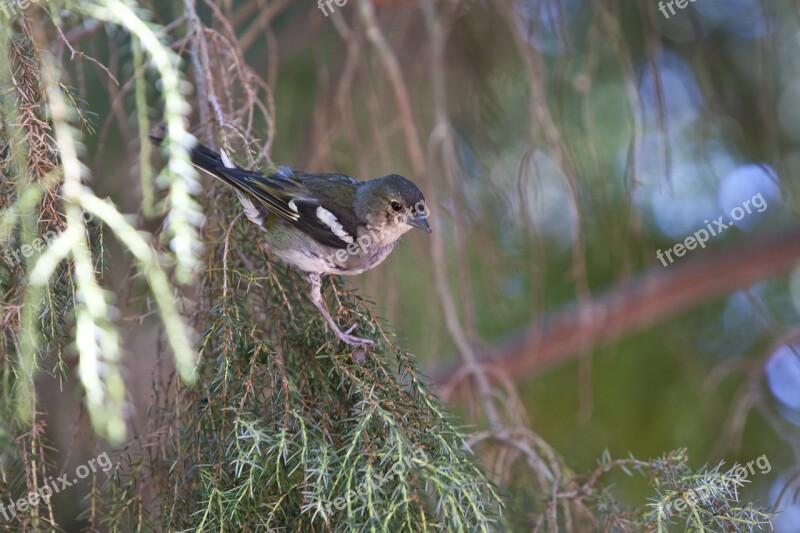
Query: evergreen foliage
(267,424)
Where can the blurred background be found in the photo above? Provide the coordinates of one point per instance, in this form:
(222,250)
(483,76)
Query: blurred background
(562,146)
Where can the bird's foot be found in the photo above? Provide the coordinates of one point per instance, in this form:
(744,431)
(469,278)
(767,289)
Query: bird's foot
(352,340)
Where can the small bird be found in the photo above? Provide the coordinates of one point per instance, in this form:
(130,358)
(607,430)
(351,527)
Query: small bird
(322,223)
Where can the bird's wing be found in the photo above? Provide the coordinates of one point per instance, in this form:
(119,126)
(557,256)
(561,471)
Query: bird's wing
(319,205)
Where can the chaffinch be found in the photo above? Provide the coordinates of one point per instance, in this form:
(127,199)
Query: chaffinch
(322,223)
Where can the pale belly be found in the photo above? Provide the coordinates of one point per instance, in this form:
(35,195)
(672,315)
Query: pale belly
(308,255)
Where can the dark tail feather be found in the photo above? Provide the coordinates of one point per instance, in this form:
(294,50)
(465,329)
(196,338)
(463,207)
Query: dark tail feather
(202,156)
(249,185)
(206,159)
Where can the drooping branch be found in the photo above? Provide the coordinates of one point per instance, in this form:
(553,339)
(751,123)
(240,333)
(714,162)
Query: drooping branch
(635,306)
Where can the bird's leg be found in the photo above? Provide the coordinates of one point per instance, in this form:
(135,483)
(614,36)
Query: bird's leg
(316,297)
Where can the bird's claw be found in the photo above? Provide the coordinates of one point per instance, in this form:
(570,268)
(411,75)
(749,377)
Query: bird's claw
(352,340)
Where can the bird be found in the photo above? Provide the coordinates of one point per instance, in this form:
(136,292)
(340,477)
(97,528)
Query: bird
(322,224)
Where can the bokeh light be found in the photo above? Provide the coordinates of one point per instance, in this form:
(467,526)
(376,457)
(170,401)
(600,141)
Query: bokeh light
(783,376)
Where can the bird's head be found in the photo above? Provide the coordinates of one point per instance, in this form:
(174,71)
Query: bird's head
(392,204)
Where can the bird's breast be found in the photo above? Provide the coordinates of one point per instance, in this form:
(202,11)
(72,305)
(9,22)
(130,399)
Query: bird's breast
(368,250)
(359,257)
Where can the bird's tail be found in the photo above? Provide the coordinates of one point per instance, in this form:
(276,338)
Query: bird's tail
(210,162)
(249,185)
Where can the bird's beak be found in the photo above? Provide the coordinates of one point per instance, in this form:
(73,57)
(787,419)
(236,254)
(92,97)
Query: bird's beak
(420,222)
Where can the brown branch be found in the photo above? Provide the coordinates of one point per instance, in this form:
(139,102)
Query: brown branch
(635,306)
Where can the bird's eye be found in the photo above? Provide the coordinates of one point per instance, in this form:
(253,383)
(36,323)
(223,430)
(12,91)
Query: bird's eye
(396,206)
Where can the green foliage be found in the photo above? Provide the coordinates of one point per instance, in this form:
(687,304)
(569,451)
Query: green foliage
(684,499)
(283,425)
(706,499)
(53,300)
(33,151)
